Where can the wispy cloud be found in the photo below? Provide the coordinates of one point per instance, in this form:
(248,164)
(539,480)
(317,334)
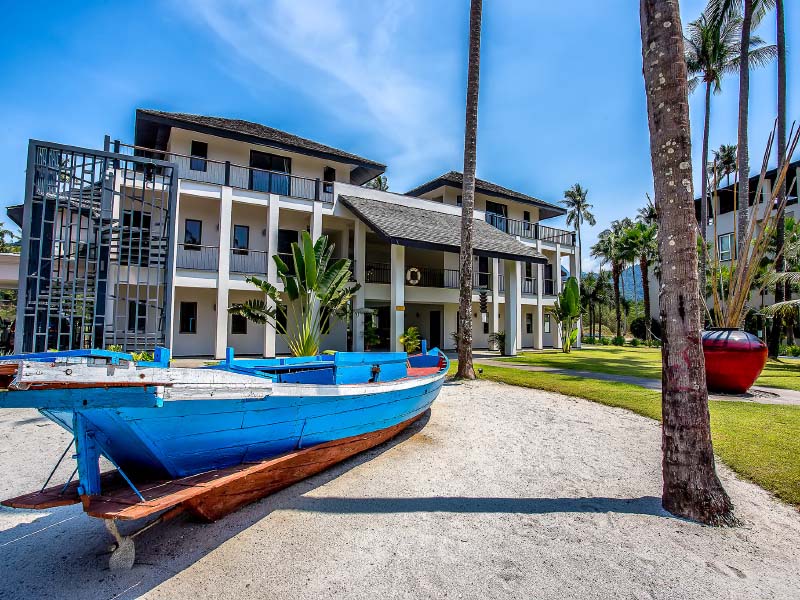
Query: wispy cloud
(350,60)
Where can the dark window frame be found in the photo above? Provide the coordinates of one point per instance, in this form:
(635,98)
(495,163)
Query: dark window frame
(187,323)
(199,156)
(194,244)
(528,323)
(239,249)
(731,251)
(238,325)
(137,316)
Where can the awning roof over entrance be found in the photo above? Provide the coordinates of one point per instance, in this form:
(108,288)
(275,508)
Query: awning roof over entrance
(421,228)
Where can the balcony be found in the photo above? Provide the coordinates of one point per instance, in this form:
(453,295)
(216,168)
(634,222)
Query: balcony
(197,257)
(249,262)
(426,277)
(530,286)
(205,170)
(531,231)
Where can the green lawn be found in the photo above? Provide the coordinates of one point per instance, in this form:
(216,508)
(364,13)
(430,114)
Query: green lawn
(761,442)
(644,362)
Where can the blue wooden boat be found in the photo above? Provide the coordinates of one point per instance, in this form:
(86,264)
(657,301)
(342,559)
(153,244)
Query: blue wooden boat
(211,439)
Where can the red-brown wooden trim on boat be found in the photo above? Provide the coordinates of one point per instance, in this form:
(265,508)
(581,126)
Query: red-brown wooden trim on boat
(211,495)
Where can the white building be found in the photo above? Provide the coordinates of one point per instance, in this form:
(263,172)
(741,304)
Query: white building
(241,193)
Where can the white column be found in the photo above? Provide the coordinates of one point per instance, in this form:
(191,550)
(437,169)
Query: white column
(574,270)
(513,300)
(557,290)
(360,257)
(273,217)
(397,295)
(494,316)
(223,273)
(538,339)
(316,221)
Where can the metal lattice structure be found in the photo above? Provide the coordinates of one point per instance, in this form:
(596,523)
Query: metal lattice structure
(96,260)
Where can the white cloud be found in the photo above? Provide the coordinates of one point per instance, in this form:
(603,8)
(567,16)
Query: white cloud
(351,62)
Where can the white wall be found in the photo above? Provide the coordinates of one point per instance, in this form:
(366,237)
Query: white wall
(202,342)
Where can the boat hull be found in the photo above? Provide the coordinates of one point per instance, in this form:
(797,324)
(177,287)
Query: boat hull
(186,437)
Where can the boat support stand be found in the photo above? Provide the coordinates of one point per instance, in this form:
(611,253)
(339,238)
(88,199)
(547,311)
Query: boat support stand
(123,552)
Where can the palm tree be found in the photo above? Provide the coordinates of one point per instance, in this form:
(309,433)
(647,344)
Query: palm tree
(647,214)
(782,289)
(465,369)
(752,11)
(578,212)
(642,239)
(725,158)
(712,50)
(609,250)
(379,183)
(691,487)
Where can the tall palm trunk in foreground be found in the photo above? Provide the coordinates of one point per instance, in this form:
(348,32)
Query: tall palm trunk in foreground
(465,369)
(691,487)
(780,263)
(742,154)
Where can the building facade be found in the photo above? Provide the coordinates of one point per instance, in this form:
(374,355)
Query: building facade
(150,242)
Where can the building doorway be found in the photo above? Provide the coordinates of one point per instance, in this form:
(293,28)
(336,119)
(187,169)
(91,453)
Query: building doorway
(435,329)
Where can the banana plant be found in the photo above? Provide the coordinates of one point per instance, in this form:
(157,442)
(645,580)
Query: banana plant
(567,311)
(316,290)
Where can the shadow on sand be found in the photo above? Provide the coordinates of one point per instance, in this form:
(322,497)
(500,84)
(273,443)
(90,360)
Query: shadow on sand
(63,553)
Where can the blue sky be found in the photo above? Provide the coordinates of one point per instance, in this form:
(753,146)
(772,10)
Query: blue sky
(562,97)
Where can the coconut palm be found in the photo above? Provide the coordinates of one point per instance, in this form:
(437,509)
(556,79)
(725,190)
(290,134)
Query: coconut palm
(712,50)
(725,158)
(317,289)
(691,487)
(641,238)
(579,211)
(609,250)
(465,369)
(782,289)
(751,11)
(647,214)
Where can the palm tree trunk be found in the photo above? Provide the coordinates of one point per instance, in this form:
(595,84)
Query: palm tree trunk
(742,155)
(780,233)
(643,266)
(704,194)
(465,368)
(691,487)
(616,275)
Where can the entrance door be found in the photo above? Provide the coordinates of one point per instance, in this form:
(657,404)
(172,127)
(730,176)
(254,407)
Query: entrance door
(435,329)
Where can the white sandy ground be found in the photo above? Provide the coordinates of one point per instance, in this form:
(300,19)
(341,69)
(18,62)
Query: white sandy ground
(504,492)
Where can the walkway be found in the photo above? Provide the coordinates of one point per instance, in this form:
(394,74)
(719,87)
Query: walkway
(759,394)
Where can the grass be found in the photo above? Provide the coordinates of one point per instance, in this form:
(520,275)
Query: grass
(644,362)
(760,442)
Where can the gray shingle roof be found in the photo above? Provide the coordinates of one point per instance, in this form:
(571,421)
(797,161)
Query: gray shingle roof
(256,130)
(418,227)
(456,179)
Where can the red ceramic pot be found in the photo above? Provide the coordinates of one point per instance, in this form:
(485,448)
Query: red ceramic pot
(734,360)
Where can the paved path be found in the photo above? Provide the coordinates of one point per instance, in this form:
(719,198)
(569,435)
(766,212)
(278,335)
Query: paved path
(505,492)
(759,394)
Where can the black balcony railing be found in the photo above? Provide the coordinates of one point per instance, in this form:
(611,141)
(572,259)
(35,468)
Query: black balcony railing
(251,262)
(197,257)
(531,231)
(529,285)
(243,177)
(425,276)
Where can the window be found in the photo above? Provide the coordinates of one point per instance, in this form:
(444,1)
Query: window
(134,245)
(199,154)
(238,325)
(483,271)
(526,216)
(266,172)
(496,215)
(192,234)
(287,237)
(486,327)
(137,316)
(528,322)
(459,200)
(727,247)
(188,317)
(241,239)
(328,177)
(547,323)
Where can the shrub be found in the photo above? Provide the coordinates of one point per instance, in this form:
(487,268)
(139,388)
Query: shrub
(634,342)
(655,343)
(589,339)
(605,341)
(411,339)
(638,328)
(794,351)
(498,340)
(618,341)
(143,356)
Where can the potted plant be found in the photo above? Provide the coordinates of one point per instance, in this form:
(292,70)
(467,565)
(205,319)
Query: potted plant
(317,289)
(410,339)
(735,358)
